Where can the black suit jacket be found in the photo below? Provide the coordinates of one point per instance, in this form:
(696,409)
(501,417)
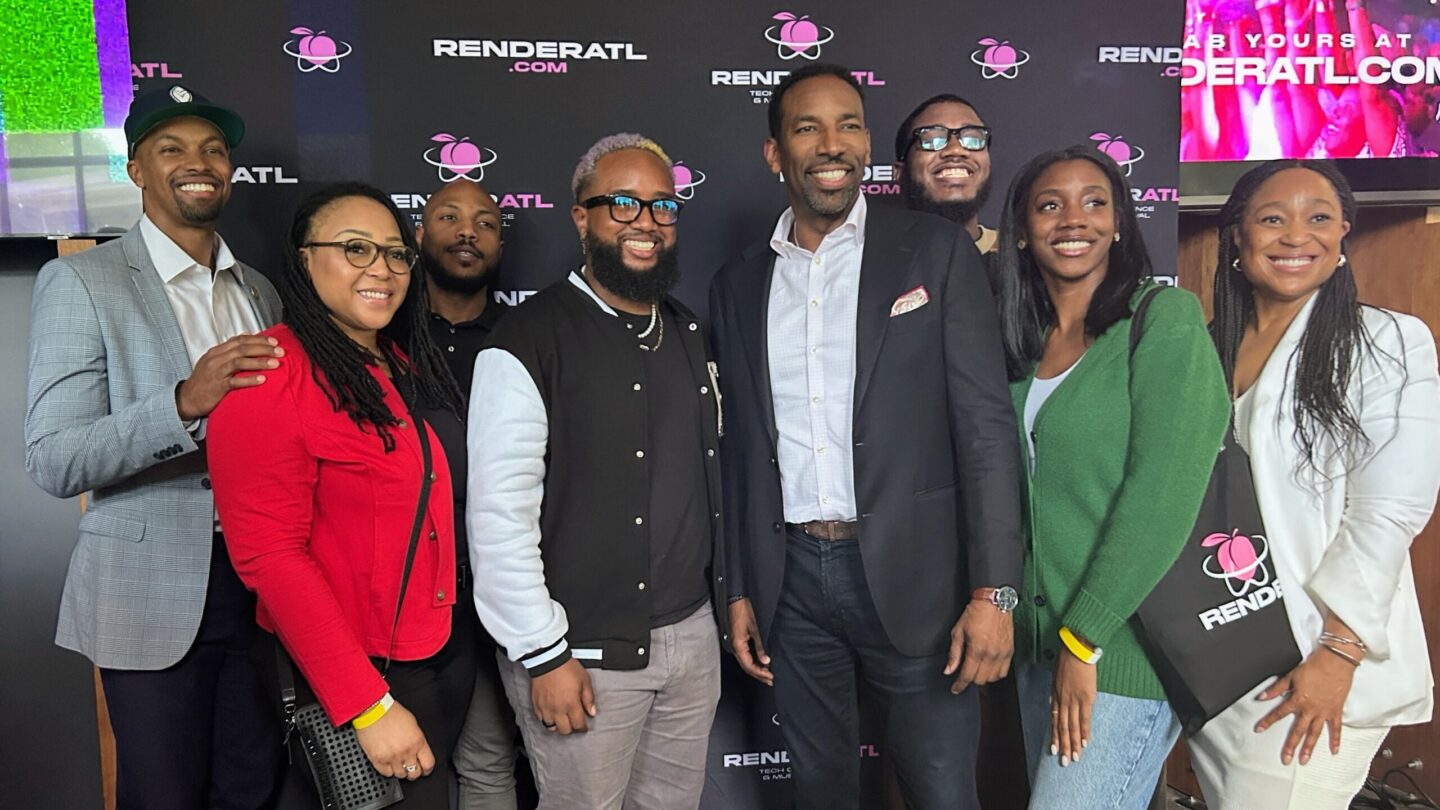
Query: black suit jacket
(936,453)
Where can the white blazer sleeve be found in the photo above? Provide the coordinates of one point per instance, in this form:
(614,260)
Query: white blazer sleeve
(506,439)
(1390,495)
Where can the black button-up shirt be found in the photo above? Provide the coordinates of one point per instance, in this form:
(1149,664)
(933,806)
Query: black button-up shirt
(460,342)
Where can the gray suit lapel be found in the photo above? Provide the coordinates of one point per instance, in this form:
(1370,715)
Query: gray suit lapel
(157,306)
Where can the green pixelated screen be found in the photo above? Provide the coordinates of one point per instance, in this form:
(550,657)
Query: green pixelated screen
(65,86)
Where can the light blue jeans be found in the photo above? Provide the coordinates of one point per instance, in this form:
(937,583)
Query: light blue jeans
(1129,740)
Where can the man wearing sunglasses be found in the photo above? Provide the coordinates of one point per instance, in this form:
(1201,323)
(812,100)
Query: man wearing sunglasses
(942,156)
(594,505)
(871,484)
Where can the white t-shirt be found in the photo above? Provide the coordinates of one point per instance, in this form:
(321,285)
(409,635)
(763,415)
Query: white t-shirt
(1040,390)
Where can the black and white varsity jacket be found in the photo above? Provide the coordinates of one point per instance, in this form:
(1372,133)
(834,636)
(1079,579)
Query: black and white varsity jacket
(558,484)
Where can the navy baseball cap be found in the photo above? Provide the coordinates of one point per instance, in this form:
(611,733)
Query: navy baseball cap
(157,107)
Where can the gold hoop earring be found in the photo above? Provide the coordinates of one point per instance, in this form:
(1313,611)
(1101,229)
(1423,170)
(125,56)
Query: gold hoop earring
(1342,261)
(1235,265)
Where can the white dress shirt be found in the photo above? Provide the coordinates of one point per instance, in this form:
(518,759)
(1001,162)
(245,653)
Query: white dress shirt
(811,347)
(211,306)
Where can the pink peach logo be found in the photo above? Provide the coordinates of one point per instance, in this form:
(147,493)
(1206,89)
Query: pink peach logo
(1119,150)
(686,179)
(998,59)
(316,50)
(1237,561)
(797,36)
(458,159)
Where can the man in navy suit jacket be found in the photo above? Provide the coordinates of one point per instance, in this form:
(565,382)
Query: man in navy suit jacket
(870,458)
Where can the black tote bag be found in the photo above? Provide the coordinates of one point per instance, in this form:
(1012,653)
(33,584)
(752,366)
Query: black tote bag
(1216,625)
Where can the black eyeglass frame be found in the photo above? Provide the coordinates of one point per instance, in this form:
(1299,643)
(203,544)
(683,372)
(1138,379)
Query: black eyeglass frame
(610,199)
(379,250)
(956,133)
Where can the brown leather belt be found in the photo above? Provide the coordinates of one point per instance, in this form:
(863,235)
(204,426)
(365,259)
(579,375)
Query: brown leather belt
(830,529)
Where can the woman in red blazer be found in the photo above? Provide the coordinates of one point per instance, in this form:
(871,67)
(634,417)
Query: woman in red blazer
(317,472)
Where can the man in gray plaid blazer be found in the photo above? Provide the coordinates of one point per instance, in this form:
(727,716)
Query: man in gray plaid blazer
(132,344)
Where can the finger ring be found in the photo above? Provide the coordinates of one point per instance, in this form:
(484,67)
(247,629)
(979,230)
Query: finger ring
(408,768)
(550,726)
(1054,711)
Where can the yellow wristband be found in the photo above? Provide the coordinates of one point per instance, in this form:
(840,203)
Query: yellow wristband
(1078,648)
(374,713)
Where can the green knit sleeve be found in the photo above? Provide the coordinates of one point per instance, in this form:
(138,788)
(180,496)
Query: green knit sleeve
(1178,412)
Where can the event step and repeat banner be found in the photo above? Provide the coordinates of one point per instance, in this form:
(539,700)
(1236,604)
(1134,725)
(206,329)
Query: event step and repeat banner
(409,96)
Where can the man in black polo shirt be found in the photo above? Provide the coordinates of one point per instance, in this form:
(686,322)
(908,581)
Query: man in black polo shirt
(460,244)
(594,504)
(460,240)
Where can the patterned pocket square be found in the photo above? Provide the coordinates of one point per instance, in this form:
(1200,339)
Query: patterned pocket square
(910,301)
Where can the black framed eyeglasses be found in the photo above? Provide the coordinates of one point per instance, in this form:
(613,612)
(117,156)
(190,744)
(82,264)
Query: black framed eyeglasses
(361,253)
(934,138)
(625,208)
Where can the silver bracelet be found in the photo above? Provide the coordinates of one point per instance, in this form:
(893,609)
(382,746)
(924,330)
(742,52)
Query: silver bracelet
(1347,656)
(1354,642)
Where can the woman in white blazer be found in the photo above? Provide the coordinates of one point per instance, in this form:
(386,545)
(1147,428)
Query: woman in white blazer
(1338,404)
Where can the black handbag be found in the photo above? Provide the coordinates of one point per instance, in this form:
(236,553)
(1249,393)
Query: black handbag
(342,774)
(1215,625)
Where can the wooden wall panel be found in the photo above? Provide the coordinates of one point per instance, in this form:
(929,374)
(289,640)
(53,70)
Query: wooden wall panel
(1396,258)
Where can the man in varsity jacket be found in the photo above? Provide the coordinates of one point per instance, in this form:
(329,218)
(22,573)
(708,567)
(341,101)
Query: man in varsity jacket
(594,504)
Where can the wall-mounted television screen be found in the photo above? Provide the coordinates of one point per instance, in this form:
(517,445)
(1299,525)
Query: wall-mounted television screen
(1264,79)
(1350,80)
(65,86)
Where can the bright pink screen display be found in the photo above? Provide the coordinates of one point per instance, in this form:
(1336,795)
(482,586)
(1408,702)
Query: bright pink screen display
(1263,79)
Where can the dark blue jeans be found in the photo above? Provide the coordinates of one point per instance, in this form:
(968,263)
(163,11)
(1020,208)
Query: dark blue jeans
(825,639)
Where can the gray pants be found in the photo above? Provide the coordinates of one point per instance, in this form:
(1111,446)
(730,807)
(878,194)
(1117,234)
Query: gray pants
(484,757)
(646,747)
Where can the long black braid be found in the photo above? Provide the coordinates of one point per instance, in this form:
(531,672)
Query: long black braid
(1335,336)
(340,366)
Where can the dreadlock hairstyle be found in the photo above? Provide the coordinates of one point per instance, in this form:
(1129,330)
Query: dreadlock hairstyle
(1026,311)
(1335,335)
(339,364)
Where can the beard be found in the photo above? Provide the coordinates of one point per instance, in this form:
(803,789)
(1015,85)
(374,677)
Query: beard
(917,198)
(202,214)
(607,262)
(832,203)
(457,283)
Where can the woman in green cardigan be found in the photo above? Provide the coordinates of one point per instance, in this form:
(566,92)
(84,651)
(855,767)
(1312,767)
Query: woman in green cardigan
(1119,449)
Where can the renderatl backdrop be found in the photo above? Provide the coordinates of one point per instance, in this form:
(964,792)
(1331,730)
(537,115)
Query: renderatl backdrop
(410,96)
